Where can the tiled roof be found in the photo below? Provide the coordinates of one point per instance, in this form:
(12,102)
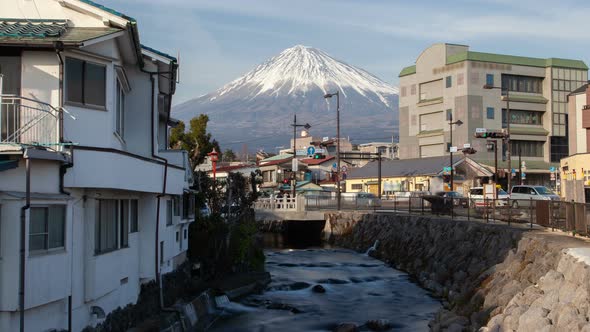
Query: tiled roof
(10,27)
(404,167)
(41,32)
(277,157)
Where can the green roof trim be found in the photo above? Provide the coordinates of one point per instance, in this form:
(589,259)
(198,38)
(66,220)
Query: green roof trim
(109,10)
(528,131)
(526,98)
(159,52)
(408,71)
(515,60)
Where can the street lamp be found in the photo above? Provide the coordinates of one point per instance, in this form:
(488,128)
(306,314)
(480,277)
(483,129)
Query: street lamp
(330,95)
(295,125)
(451,123)
(507,138)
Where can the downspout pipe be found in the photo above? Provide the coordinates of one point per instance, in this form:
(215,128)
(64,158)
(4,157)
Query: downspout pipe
(62,168)
(23,237)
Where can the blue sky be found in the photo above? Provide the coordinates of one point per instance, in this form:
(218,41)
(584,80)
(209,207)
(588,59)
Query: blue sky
(219,40)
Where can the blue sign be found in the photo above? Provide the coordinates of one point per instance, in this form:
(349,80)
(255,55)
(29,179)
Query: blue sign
(310,150)
(334,165)
(551,169)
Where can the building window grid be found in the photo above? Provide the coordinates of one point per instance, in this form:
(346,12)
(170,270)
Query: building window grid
(490,79)
(523,117)
(449,81)
(519,83)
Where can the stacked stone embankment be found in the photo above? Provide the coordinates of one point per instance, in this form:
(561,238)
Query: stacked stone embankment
(489,277)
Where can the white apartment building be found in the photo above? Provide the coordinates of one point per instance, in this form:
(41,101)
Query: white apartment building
(447,82)
(92,203)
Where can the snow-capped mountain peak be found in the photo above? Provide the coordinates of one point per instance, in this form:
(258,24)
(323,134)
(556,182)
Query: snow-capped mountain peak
(258,107)
(301,68)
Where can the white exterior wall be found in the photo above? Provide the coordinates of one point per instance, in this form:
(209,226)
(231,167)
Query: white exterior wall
(108,280)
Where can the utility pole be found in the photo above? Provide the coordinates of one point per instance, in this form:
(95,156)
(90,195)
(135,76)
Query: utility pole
(294,165)
(330,95)
(519,165)
(451,123)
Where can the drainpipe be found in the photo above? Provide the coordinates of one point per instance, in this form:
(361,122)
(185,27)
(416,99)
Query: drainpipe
(23,237)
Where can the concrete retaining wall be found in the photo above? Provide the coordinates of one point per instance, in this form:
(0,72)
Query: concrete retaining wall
(489,276)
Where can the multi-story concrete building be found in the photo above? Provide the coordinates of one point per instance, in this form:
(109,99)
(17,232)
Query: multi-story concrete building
(92,202)
(579,120)
(447,82)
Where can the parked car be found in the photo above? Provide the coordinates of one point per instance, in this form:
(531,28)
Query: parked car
(476,197)
(521,195)
(456,197)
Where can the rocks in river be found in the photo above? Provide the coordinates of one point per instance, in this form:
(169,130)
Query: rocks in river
(332,281)
(346,327)
(379,325)
(283,306)
(318,289)
(290,287)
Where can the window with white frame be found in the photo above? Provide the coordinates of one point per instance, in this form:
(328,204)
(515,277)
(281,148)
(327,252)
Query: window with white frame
(85,82)
(47,227)
(115,219)
(120,111)
(122,87)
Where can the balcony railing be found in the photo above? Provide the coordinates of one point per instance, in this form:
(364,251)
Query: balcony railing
(28,121)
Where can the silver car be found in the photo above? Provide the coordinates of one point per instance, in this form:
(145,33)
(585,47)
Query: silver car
(522,195)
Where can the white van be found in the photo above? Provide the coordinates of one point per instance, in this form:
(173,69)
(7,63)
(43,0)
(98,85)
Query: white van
(521,195)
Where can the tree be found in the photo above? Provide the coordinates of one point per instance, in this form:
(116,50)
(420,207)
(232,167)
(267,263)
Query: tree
(197,141)
(229,155)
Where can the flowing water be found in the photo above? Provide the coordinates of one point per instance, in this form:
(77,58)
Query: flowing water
(358,288)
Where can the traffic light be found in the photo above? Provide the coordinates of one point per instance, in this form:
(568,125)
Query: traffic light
(489,133)
(285,181)
(319,156)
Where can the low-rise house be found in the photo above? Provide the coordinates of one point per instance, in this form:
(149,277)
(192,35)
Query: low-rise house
(420,174)
(93,204)
(574,177)
(320,169)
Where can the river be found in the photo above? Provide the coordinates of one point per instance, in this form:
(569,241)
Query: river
(358,288)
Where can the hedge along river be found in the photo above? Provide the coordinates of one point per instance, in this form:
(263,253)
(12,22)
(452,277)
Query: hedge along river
(319,288)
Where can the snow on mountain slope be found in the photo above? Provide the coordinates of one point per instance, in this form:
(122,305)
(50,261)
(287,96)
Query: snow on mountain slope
(262,102)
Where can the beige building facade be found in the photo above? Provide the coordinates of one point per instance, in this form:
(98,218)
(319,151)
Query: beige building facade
(447,82)
(579,120)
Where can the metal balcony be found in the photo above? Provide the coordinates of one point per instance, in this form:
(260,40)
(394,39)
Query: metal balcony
(25,121)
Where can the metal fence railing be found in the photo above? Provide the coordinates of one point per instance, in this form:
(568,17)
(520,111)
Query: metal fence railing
(27,121)
(566,216)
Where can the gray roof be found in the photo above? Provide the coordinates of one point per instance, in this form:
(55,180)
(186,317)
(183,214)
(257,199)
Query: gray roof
(579,90)
(404,167)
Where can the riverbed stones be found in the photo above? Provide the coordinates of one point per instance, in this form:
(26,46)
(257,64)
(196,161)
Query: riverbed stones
(318,289)
(346,327)
(379,325)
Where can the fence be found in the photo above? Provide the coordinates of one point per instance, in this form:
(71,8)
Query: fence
(277,203)
(27,121)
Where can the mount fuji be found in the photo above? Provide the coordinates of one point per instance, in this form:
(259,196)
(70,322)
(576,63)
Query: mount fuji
(257,108)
